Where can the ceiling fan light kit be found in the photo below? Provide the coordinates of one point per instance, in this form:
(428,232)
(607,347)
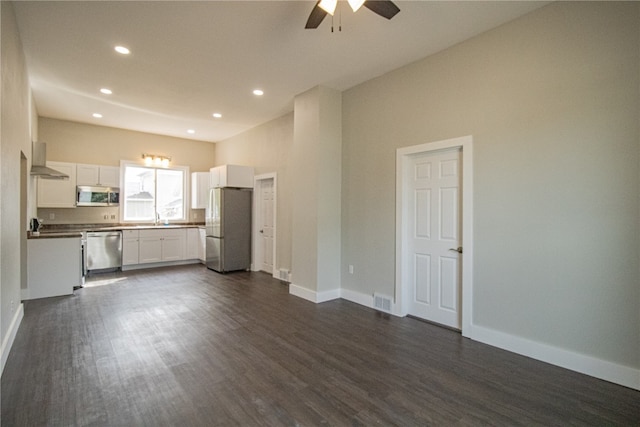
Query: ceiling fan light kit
(385,8)
(329,6)
(356,4)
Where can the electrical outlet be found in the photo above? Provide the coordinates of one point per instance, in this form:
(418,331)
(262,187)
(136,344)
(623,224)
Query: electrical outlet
(113,217)
(52,215)
(350,269)
(12,306)
(195,215)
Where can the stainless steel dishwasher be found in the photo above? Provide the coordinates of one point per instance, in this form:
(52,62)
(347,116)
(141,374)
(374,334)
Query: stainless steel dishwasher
(104,250)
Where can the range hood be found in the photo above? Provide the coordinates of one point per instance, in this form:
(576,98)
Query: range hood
(39,163)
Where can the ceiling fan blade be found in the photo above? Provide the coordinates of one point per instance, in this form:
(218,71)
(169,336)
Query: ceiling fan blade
(384,8)
(316,16)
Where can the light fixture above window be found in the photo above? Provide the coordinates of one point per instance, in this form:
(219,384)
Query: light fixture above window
(156,160)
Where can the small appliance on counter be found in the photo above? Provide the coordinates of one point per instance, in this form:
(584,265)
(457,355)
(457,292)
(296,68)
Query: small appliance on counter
(35,225)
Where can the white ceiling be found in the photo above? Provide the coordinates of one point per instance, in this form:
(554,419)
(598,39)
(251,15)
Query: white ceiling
(191,59)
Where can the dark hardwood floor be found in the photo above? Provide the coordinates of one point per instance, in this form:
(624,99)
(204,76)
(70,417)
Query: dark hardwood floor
(185,346)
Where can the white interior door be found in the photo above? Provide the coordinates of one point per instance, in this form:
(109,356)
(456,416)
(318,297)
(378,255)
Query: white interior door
(266,225)
(434,217)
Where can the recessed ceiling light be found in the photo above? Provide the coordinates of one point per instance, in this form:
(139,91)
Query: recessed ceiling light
(258,92)
(106,91)
(217,115)
(97,115)
(123,50)
(191,131)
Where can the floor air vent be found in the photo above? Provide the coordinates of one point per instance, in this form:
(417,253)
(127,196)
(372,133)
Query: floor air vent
(283,274)
(382,302)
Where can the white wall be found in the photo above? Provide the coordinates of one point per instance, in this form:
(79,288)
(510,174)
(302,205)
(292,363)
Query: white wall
(316,193)
(552,102)
(15,143)
(85,143)
(268,149)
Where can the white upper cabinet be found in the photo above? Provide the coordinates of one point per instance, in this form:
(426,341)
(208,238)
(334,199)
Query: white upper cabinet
(199,189)
(58,193)
(107,176)
(232,176)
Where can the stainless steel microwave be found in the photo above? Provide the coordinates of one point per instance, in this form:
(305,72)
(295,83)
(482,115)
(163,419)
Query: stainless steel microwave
(97,196)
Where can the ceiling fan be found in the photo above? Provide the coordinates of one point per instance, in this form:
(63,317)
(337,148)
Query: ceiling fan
(384,8)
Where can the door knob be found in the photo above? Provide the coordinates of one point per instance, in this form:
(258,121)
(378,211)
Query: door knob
(458,249)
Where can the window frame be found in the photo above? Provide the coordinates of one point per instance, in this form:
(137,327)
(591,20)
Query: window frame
(185,187)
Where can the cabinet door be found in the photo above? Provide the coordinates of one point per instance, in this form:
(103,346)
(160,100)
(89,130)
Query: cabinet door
(202,245)
(238,176)
(130,251)
(232,176)
(214,177)
(200,182)
(173,244)
(193,244)
(129,247)
(149,249)
(87,174)
(58,193)
(110,176)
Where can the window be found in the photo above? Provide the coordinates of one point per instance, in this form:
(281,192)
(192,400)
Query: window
(153,193)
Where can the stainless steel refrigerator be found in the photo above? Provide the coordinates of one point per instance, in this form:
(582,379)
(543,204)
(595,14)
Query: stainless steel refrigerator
(228,224)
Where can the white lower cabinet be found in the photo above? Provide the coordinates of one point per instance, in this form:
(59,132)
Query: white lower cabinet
(130,247)
(54,267)
(202,245)
(193,244)
(158,245)
(149,247)
(173,244)
(161,245)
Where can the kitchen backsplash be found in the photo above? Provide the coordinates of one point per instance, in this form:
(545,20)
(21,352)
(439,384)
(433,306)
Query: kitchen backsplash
(94,215)
(80,215)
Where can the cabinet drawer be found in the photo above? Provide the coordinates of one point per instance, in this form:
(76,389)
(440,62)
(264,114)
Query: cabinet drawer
(150,233)
(130,234)
(174,232)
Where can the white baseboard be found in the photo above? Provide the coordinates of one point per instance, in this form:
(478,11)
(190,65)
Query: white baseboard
(7,343)
(313,296)
(588,365)
(598,368)
(357,297)
(159,264)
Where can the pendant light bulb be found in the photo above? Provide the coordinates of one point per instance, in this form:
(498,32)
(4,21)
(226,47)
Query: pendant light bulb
(329,6)
(356,4)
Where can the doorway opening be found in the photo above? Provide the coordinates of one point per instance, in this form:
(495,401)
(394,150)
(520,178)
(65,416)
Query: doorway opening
(415,264)
(264,223)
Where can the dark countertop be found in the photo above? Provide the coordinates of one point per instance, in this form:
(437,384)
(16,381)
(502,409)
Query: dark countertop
(54,235)
(53,231)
